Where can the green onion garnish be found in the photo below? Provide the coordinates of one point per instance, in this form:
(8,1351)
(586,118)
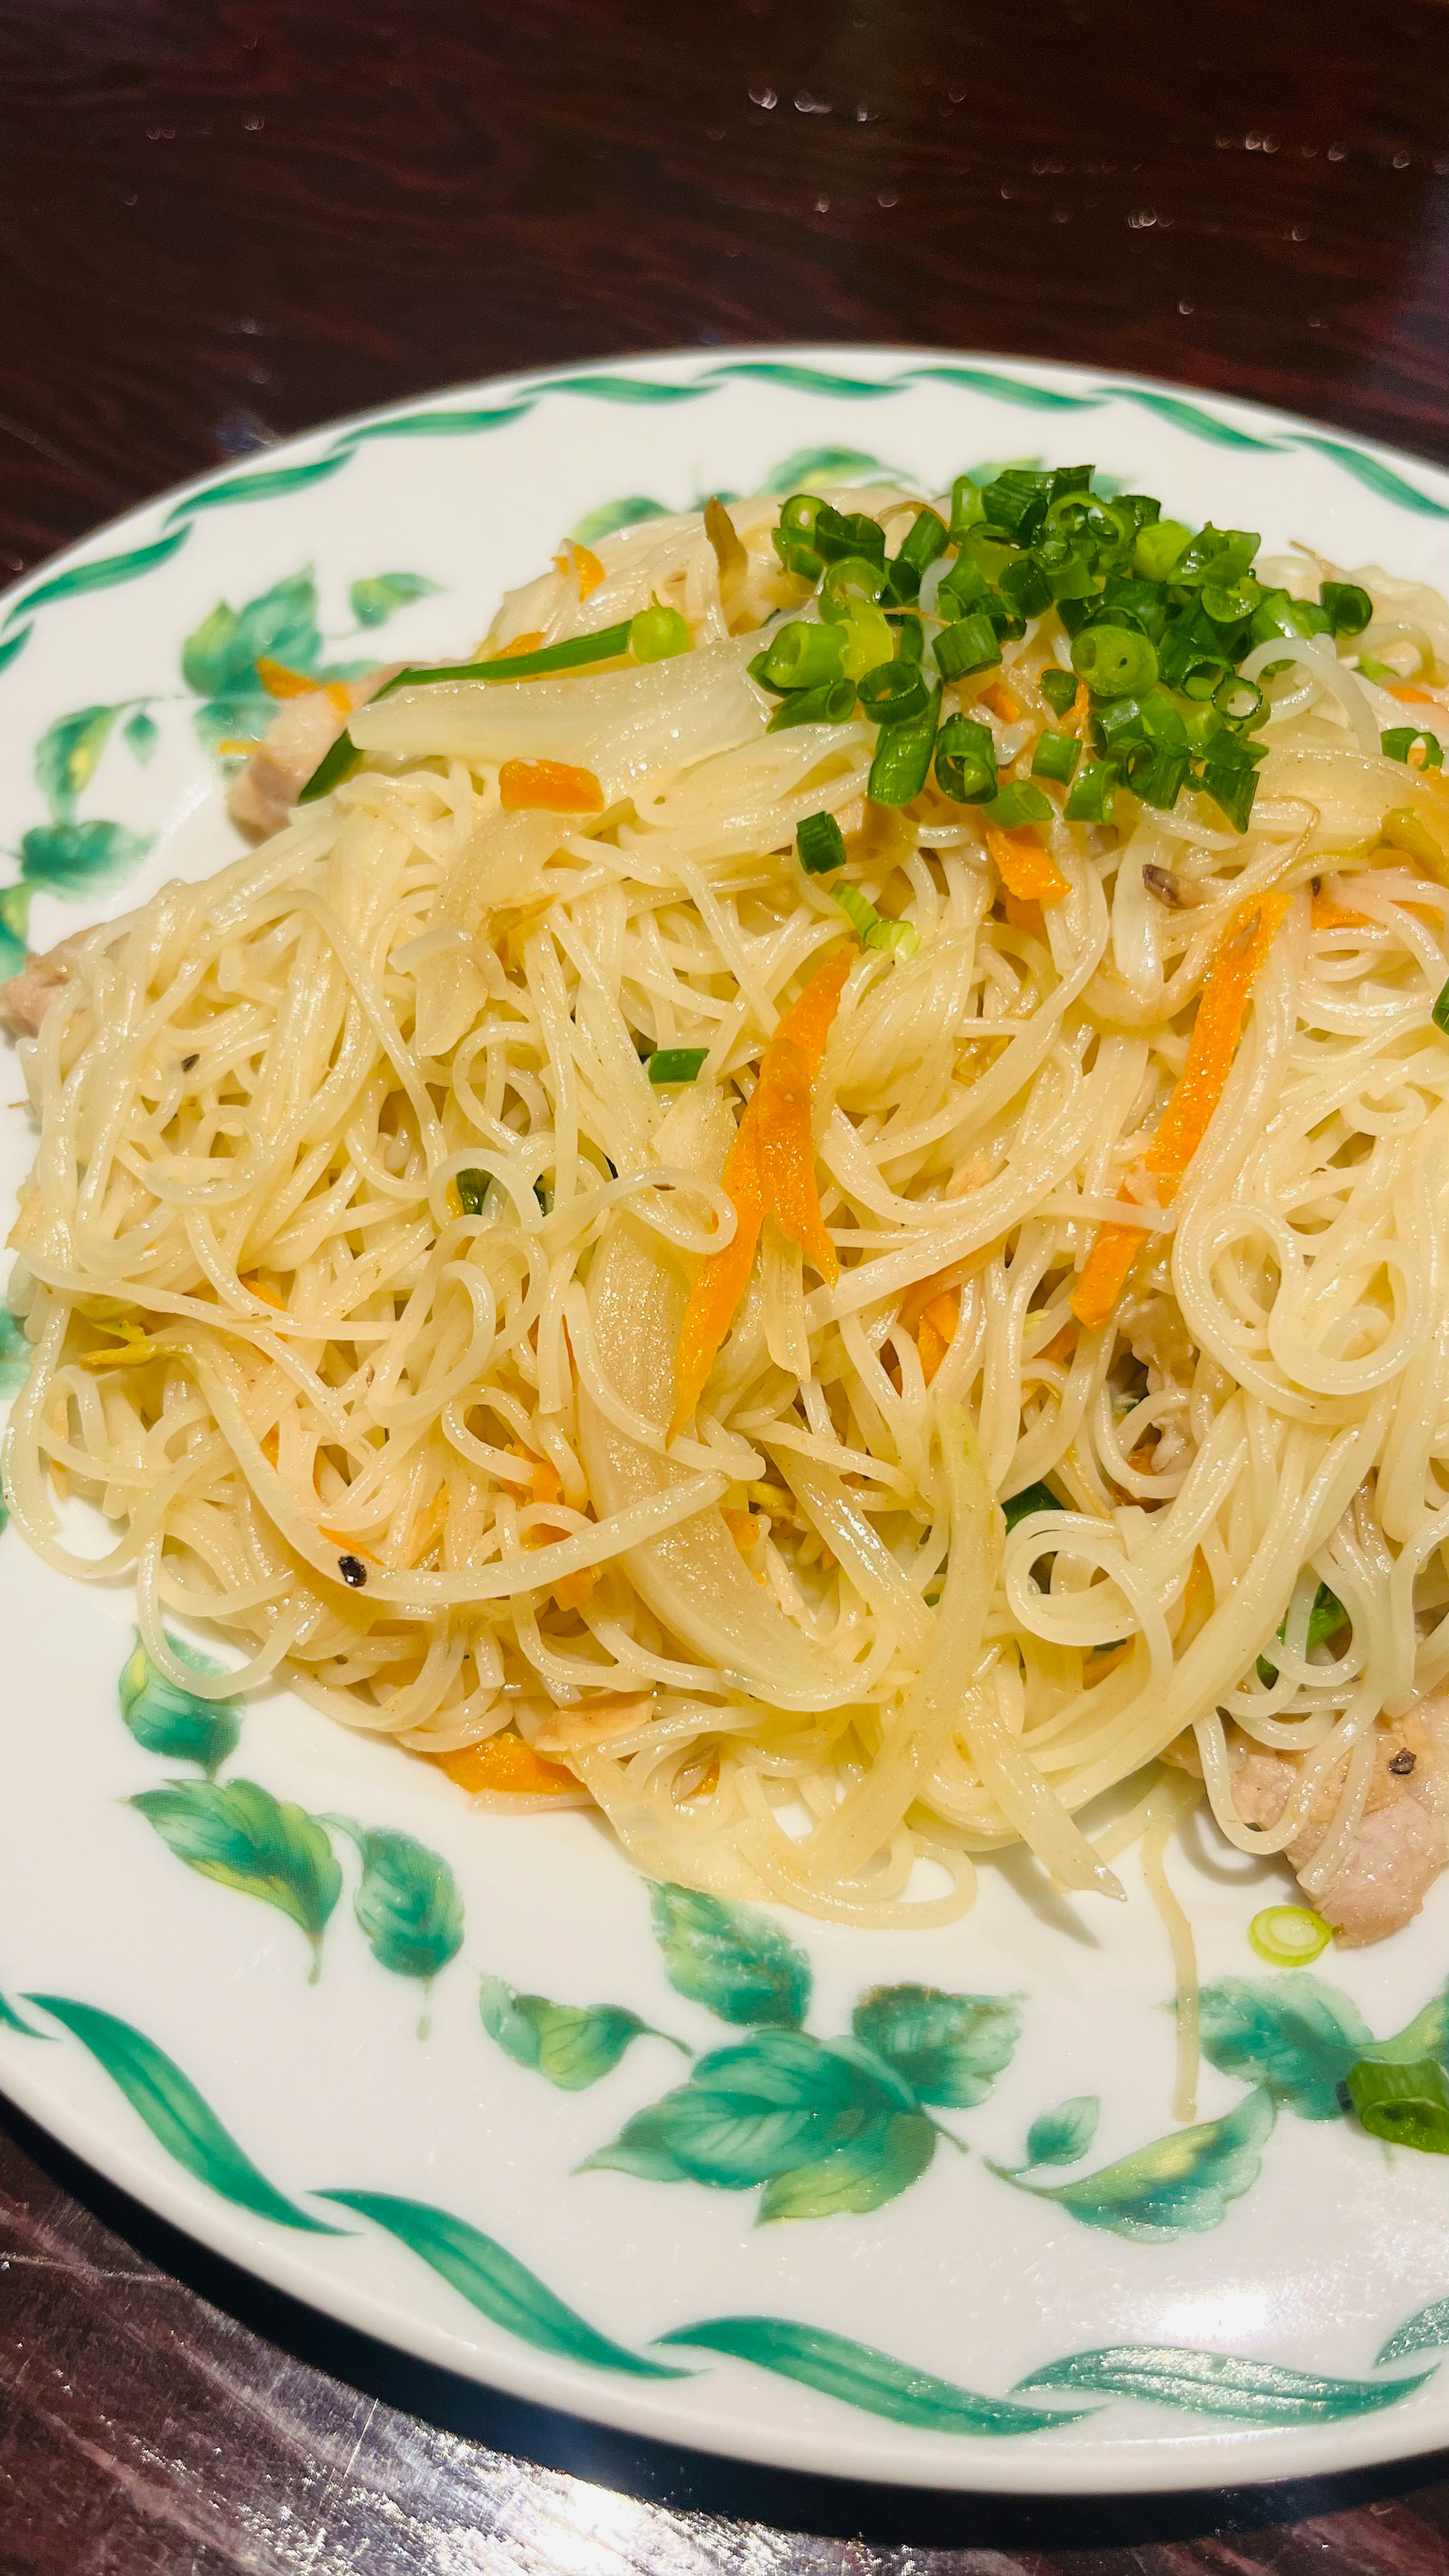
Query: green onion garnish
(676,1064)
(1407,2105)
(968,508)
(571,655)
(1027,587)
(1158,547)
(1089,798)
(804,657)
(1032,1498)
(1347,607)
(902,760)
(893,693)
(1056,756)
(472,1189)
(969,645)
(1399,741)
(852,583)
(658,633)
(926,540)
(821,845)
(831,704)
(1018,803)
(1288,1936)
(966,760)
(875,929)
(1059,688)
(1325,1619)
(1114,662)
(1440,1012)
(836,536)
(793,539)
(910,636)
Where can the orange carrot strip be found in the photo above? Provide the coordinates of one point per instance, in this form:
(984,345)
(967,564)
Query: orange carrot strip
(999,699)
(529,643)
(580,559)
(1023,916)
(1026,870)
(504,1762)
(937,1332)
(572,1590)
(239,746)
(1079,710)
(1194,1097)
(268,1296)
(1411,697)
(279,682)
(786,1153)
(1328,915)
(724,1276)
(548,787)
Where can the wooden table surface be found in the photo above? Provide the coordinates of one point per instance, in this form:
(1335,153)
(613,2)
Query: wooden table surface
(225,220)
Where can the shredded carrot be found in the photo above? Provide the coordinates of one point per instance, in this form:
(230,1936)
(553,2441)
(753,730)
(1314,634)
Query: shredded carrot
(937,1332)
(749,1174)
(1026,870)
(1328,915)
(530,643)
(427,1528)
(572,1590)
(1409,696)
(1023,916)
(786,1153)
(579,559)
(1195,1095)
(279,682)
(708,1781)
(268,1296)
(1079,710)
(239,747)
(547,1482)
(347,1546)
(505,1763)
(999,699)
(548,787)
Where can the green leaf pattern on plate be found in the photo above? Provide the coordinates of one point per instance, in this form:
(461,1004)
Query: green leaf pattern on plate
(572,2045)
(238,1834)
(948,2048)
(1426,2332)
(1293,2035)
(407,1903)
(177,2116)
(14,1353)
(1059,2137)
(178,1724)
(67,754)
(375,599)
(495,2283)
(80,860)
(141,734)
(731,1959)
(1178,2186)
(861,2376)
(1222,2383)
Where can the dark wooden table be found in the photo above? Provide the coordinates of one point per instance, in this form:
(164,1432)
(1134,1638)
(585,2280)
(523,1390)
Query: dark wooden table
(224,220)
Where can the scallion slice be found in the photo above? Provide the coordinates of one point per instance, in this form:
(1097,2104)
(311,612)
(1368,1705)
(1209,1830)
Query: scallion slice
(472,1189)
(658,633)
(966,760)
(804,657)
(902,760)
(1440,1012)
(1018,803)
(1289,1936)
(1347,607)
(821,845)
(875,929)
(676,1064)
(1032,1498)
(969,645)
(1407,2105)
(1399,741)
(893,693)
(1056,756)
(833,703)
(1114,661)
(1059,688)
(1089,798)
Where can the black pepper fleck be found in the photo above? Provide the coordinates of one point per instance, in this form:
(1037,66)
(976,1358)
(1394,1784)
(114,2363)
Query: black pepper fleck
(1403,1764)
(188,1062)
(353,1571)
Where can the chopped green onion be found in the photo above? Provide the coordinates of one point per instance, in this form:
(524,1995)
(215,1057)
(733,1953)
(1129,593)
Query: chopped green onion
(676,1064)
(571,655)
(1230,777)
(756,670)
(1157,548)
(658,633)
(875,929)
(802,657)
(836,536)
(1406,2105)
(1277,613)
(821,845)
(1017,501)
(1032,1498)
(1056,756)
(1347,607)
(1089,798)
(852,583)
(1241,701)
(833,703)
(893,693)
(902,760)
(1027,588)
(1288,1936)
(1114,661)
(966,760)
(799,514)
(1016,804)
(927,539)
(969,645)
(793,539)
(1228,603)
(910,636)
(1384,672)
(1059,688)
(1325,1619)
(1402,827)
(1399,741)
(472,1189)
(867,641)
(968,508)
(1440,1012)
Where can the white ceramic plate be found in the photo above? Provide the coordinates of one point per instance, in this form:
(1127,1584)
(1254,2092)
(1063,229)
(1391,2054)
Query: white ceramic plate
(1262,2297)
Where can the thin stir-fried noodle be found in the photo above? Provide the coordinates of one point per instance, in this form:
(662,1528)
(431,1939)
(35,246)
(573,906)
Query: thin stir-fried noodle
(403,1437)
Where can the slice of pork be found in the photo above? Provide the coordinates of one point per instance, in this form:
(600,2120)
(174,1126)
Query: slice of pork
(301,733)
(24,997)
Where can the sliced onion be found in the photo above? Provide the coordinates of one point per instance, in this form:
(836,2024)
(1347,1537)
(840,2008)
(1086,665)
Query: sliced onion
(1318,656)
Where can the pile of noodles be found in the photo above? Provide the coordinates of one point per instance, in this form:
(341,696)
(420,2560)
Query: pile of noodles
(802,1660)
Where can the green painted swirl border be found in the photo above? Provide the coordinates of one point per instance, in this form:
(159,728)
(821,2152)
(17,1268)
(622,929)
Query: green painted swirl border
(272,483)
(1226,2387)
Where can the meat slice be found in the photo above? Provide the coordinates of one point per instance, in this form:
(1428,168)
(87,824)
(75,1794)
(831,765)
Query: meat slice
(24,997)
(1402,1841)
(300,734)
